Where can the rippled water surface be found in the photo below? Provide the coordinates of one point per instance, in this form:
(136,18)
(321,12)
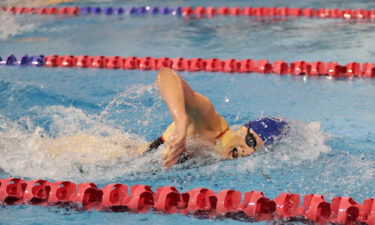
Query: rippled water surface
(329,150)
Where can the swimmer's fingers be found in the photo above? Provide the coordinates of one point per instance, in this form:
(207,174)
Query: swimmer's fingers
(176,144)
(172,152)
(171,161)
(167,152)
(172,157)
(172,147)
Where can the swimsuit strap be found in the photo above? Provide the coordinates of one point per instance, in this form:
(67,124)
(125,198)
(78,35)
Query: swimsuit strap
(222,133)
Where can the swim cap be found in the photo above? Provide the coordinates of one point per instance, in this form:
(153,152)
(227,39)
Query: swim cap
(268,128)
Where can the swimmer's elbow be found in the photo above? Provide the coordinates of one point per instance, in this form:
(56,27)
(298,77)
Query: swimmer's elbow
(164,72)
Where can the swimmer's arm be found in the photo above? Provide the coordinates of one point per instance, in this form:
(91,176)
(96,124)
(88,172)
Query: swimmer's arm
(171,89)
(183,100)
(186,106)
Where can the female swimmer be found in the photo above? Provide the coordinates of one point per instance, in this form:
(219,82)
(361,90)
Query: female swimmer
(195,117)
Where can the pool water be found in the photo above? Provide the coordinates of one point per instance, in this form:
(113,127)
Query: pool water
(329,150)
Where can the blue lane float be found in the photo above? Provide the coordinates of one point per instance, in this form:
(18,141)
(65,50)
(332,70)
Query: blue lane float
(36,60)
(134,11)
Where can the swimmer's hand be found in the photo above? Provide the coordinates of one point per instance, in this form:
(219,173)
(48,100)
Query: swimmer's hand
(176,145)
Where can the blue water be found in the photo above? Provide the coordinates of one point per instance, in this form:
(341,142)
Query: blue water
(329,151)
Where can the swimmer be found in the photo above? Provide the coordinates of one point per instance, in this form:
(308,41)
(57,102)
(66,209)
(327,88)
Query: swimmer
(194,118)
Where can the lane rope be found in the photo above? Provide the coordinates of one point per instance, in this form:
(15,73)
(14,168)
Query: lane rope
(202,12)
(203,202)
(279,67)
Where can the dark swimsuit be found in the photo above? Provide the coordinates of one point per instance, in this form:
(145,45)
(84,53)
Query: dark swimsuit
(155,144)
(184,157)
(159,141)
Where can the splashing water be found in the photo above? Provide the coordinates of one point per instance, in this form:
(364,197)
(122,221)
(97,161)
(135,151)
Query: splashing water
(24,153)
(138,99)
(11,25)
(57,142)
(136,109)
(27,150)
(303,142)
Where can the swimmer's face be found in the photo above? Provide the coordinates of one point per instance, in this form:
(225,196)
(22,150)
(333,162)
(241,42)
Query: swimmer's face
(239,148)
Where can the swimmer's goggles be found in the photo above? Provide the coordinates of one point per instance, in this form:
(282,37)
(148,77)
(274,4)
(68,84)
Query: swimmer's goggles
(250,141)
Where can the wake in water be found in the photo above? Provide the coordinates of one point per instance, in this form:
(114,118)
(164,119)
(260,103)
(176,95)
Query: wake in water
(57,142)
(27,150)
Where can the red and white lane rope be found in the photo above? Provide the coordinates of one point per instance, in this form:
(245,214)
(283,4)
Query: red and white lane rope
(279,67)
(253,205)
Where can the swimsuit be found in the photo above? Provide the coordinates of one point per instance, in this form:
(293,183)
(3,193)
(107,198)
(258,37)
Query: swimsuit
(159,141)
(155,144)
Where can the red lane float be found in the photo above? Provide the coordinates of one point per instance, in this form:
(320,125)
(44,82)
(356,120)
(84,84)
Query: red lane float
(70,11)
(253,206)
(258,207)
(12,191)
(37,192)
(198,200)
(87,197)
(209,12)
(61,192)
(279,67)
(114,196)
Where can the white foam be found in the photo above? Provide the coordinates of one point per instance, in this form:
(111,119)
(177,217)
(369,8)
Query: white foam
(12,25)
(24,152)
(132,100)
(30,151)
(304,142)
